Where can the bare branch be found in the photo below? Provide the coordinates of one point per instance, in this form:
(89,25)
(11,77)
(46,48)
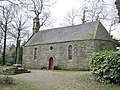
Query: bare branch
(38,8)
(71,16)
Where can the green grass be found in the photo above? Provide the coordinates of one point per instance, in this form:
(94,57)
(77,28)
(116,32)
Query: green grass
(68,71)
(22,85)
(2,67)
(88,82)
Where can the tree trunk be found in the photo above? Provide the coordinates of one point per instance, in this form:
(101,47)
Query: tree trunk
(4,47)
(17,48)
(83,18)
(18,52)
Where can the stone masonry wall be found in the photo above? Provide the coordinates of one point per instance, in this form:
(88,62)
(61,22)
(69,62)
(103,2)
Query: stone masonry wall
(82,51)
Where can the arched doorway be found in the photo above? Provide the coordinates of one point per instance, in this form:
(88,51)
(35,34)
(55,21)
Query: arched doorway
(51,63)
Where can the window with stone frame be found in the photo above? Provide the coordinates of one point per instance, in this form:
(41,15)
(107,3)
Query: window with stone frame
(35,53)
(70,52)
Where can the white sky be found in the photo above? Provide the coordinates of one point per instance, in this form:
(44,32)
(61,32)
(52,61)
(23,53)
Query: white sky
(62,7)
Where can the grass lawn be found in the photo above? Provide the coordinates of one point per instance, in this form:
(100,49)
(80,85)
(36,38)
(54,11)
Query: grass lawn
(21,85)
(3,67)
(68,71)
(88,82)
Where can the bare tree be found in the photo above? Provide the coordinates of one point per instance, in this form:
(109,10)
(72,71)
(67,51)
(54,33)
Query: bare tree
(75,16)
(93,10)
(113,21)
(8,1)
(70,17)
(19,30)
(101,10)
(96,10)
(40,9)
(1,37)
(6,16)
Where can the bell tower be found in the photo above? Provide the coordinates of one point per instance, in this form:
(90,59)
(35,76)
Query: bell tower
(36,25)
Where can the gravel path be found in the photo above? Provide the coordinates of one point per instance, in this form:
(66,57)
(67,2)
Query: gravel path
(52,80)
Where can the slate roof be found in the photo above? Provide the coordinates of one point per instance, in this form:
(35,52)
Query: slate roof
(70,33)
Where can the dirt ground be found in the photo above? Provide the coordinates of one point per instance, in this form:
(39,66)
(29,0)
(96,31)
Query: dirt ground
(52,80)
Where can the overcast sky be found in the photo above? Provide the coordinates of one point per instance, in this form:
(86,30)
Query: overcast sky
(63,6)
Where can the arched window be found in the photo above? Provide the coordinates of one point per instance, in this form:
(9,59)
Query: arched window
(69,52)
(35,53)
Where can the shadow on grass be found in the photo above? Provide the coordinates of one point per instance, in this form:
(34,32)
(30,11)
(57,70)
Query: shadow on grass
(19,85)
(88,82)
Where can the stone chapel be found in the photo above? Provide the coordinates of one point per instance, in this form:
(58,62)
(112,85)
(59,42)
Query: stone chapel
(65,47)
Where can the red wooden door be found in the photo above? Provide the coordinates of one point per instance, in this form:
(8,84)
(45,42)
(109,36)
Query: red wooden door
(51,63)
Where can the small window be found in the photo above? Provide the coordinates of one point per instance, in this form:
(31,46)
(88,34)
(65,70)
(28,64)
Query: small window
(37,24)
(35,53)
(51,48)
(70,52)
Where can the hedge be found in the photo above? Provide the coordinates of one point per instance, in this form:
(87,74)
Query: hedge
(105,66)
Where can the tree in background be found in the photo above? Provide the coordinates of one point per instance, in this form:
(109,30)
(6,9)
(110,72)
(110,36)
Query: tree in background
(96,10)
(6,16)
(103,11)
(19,29)
(19,26)
(1,37)
(93,10)
(40,8)
(10,55)
(70,17)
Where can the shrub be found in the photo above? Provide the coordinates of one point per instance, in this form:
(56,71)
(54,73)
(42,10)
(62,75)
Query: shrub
(43,68)
(106,66)
(57,68)
(0,59)
(6,80)
(10,57)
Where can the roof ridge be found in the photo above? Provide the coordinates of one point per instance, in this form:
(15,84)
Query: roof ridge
(96,28)
(67,26)
(76,32)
